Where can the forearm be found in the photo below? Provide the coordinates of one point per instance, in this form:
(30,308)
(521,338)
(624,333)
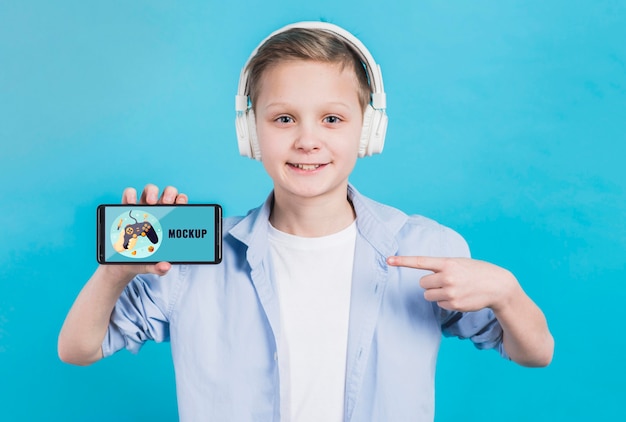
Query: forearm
(86,324)
(527,339)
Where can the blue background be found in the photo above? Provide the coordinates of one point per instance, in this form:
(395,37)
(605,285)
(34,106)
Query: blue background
(507,123)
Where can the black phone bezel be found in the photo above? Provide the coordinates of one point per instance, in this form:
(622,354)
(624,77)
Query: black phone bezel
(101,233)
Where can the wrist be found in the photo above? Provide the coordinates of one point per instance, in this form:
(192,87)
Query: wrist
(509,291)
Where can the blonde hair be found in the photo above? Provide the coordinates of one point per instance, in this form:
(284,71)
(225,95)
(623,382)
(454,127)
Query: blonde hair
(307,44)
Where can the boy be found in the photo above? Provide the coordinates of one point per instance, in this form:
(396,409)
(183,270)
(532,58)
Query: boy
(327,306)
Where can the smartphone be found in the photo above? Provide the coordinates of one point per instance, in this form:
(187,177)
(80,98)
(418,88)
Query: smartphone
(147,234)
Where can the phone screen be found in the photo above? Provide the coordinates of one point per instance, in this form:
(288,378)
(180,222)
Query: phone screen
(190,233)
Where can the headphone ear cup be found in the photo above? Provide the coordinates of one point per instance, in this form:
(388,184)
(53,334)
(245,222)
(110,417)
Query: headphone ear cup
(246,135)
(373,132)
(377,132)
(243,137)
(254,142)
(366,130)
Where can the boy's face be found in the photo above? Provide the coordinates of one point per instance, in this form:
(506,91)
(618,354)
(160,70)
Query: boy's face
(308,120)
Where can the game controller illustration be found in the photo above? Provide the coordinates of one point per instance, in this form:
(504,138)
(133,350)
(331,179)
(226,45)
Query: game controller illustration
(139,229)
(133,238)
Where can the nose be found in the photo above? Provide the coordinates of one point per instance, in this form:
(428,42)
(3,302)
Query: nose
(307,138)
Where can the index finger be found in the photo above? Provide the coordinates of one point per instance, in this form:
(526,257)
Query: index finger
(129,196)
(418,262)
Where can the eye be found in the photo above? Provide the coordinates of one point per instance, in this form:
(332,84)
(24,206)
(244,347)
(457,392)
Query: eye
(332,119)
(284,120)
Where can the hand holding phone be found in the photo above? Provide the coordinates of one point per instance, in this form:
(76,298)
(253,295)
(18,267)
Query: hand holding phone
(155,231)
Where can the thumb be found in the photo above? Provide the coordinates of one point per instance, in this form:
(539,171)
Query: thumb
(159,269)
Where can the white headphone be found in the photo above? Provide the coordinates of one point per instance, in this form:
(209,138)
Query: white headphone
(374,118)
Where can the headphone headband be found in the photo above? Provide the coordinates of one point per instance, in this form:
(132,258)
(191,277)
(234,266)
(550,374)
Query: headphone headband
(378,97)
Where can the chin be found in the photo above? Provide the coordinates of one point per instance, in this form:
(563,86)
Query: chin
(316,190)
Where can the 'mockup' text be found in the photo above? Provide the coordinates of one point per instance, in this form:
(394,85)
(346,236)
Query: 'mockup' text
(187,233)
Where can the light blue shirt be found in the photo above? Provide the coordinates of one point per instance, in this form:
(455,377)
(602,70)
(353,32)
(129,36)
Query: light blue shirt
(223,321)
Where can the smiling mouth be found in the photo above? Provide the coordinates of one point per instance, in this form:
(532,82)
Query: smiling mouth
(306,167)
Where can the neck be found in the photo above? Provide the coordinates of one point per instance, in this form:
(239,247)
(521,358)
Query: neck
(311,217)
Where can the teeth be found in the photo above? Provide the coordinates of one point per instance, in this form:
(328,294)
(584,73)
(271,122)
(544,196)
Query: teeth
(307,166)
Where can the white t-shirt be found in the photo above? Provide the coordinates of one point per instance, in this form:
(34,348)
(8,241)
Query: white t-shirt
(313,278)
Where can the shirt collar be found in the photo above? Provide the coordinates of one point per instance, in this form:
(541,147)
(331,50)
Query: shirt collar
(377,223)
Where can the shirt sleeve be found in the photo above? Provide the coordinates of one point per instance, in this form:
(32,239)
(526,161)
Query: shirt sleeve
(481,327)
(142,313)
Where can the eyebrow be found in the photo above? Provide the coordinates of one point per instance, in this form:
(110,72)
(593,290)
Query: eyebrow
(280,104)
